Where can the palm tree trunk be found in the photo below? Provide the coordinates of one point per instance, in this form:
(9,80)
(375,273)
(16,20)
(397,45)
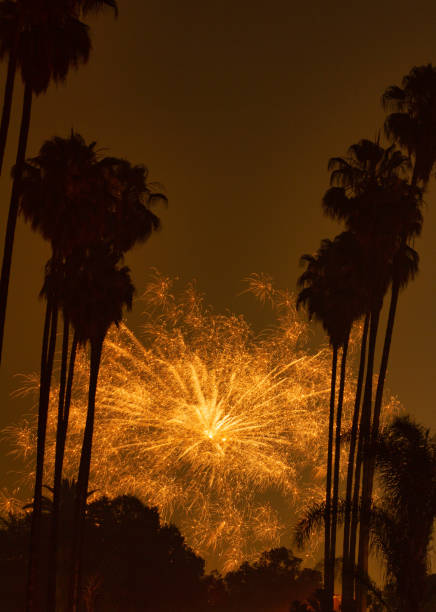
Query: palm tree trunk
(384,366)
(327,518)
(369,464)
(65,570)
(347,569)
(66,412)
(7,100)
(337,463)
(355,507)
(47,357)
(83,479)
(365,424)
(51,593)
(13,210)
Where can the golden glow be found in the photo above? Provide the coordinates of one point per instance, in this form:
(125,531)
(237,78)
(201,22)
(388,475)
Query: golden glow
(223,430)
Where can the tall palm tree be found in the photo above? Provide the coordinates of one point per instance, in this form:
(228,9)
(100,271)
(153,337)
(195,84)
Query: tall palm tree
(331,295)
(49,292)
(45,39)
(377,203)
(347,567)
(358,181)
(49,190)
(75,200)
(102,291)
(403,265)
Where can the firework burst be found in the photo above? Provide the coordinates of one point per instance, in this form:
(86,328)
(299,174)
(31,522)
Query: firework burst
(222,429)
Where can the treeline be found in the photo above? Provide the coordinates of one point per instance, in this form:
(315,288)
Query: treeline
(133,562)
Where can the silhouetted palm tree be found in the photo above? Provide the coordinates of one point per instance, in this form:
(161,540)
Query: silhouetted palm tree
(413,124)
(44,38)
(103,290)
(19,16)
(402,523)
(381,208)
(331,295)
(72,197)
(54,191)
(347,567)
(75,200)
(49,292)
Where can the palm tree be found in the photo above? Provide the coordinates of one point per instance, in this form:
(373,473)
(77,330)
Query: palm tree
(402,521)
(403,266)
(359,180)
(331,295)
(18,15)
(44,38)
(49,190)
(76,200)
(347,567)
(49,292)
(72,197)
(381,208)
(402,524)
(103,290)
(413,123)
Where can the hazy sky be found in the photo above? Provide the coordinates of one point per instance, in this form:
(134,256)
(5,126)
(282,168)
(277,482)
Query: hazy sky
(235,107)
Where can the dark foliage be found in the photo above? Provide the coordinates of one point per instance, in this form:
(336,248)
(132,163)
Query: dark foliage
(271,584)
(131,561)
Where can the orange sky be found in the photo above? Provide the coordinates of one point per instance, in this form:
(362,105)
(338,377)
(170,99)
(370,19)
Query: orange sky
(235,107)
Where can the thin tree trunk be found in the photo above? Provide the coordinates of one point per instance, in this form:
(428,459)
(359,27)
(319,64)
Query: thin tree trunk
(384,364)
(52,561)
(7,100)
(369,465)
(83,479)
(65,569)
(337,463)
(347,569)
(47,357)
(327,518)
(365,424)
(13,210)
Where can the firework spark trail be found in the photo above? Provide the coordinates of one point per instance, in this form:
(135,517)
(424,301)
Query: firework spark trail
(220,429)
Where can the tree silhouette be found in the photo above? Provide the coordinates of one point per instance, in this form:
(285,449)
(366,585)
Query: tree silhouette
(376,203)
(331,293)
(131,561)
(413,123)
(23,30)
(401,521)
(402,524)
(45,39)
(49,292)
(77,201)
(273,582)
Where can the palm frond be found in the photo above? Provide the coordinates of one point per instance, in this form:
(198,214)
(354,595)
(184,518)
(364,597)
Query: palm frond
(310,523)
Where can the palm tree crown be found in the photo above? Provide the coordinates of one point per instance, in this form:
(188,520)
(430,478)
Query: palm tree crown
(47,37)
(332,289)
(413,123)
(76,200)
